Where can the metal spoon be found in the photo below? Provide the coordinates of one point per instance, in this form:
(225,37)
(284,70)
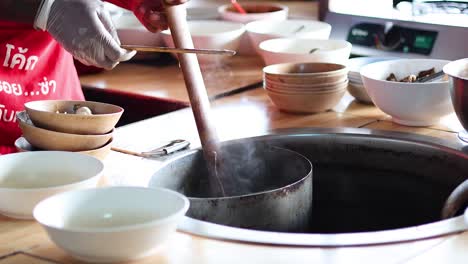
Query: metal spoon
(179,50)
(299,29)
(171,147)
(313,50)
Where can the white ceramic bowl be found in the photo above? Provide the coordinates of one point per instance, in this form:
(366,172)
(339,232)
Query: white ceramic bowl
(111,224)
(27,178)
(211,34)
(259,31)
(411,104)
(132,32)
(358,91)
(202,13)
(255,11)
(355,65)
(284,50)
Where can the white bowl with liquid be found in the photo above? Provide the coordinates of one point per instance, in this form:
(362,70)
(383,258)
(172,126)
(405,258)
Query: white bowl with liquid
(111,224)
(27,178)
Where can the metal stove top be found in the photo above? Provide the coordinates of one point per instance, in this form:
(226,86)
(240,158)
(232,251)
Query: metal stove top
(370,187)
(421,29)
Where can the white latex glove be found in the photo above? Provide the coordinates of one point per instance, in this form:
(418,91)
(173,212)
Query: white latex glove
(85,29)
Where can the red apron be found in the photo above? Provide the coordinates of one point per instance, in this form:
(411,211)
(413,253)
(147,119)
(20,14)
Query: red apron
(33,66)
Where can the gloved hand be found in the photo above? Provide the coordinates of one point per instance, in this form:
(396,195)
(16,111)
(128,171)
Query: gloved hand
(85,29)
(151,12)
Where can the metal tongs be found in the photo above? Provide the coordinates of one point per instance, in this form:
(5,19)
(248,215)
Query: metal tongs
(171,147)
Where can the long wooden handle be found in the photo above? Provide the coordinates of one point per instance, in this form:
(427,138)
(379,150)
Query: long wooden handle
(193,78)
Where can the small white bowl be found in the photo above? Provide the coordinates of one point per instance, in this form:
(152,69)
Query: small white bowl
(262,30)
(132,32)
(111,224)
(255,11)
(275,12)
(358,91)
(211,34)
(284,50)
(355,64)
(410,104)
(27,178)
(202,13)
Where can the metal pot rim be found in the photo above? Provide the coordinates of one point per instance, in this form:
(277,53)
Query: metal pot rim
(414,233)
(308,174)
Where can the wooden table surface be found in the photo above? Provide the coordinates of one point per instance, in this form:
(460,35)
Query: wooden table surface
(233,74)
(166,80)
(244,114)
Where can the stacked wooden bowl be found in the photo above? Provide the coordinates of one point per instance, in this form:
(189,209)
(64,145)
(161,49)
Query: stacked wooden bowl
(305,87)
(57,125)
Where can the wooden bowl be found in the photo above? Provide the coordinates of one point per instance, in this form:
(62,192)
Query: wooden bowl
(255,11)
(306,73)
(22,145)
(52,140)
(319,80)
(306,88)
(50,114)
(305,92)
(306,103)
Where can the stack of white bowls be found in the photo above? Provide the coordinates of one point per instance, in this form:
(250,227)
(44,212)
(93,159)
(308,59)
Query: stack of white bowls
(305,87)
(355,86)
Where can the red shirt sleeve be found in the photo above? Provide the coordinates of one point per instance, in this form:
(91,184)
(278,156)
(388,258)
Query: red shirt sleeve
(127,4)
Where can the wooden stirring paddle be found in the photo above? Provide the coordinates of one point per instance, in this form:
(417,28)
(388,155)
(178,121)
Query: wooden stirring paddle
(176,15)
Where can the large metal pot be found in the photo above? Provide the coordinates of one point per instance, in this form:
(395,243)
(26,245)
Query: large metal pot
(271,188)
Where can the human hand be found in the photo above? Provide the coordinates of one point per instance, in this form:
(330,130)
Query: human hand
(85,29)
(151,12)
